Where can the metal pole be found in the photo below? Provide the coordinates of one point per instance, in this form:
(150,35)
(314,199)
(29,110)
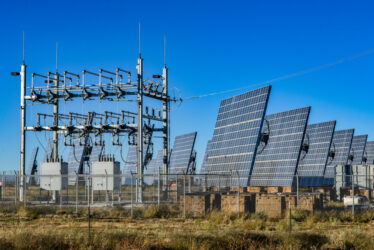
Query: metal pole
(353,195)
(55,113)
(176,188)
(297,190)
(76,193)
(23,131)
(184,196)
(237,172)
(15,188)
(131,195)
(289,205)
(140,129)
(158,187)
(106,187)
(165,124)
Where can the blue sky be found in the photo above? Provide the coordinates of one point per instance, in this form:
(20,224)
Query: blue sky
(211,46)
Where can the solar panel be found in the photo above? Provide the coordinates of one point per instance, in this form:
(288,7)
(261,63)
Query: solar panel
(131,163)
(369,149)
(203,169)
(49,150)
(236,135)
(312,162)
(153,168)
(181,155)
(76,158)
(276,162)
(358,149)
(341,145)
(95,153)
(32,167)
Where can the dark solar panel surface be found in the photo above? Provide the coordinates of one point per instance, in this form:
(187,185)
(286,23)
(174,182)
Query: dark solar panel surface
(153,168)
(369,149)
(276,164)
(341,144)
(182,152)
(236,135)
(311,167)
(358,148)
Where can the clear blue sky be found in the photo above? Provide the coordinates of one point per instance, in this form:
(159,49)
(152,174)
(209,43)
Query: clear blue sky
(211,46)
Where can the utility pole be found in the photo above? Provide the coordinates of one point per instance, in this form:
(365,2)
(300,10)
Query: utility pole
(139,193)
(23,123)
(55,110)
(166,118)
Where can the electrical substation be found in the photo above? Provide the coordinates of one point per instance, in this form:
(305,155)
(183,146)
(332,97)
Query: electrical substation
(253,162)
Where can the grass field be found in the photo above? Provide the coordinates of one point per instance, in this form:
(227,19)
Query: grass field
(162,228)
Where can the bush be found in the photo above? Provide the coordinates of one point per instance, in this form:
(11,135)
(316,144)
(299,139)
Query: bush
(161,211)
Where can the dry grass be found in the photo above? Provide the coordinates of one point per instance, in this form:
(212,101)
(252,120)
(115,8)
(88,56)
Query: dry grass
(162,228)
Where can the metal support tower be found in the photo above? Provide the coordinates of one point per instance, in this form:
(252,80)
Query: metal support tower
(165,117)
(139,193)
(55,113)
(23,132)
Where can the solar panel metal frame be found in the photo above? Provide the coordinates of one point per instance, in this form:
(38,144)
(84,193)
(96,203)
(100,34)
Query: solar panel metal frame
(369,149)
(311,167)
(180,157)
(276,165)
(341,141)
(358,148)
(236,136)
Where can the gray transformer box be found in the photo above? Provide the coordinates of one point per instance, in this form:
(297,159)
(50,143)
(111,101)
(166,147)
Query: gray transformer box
(54,176)
(106,175)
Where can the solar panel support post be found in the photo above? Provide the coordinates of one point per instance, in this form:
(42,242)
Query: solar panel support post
(165,124)
(139,146)
(23,131)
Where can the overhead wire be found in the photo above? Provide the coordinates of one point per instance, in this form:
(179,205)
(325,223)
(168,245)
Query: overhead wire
(299,73)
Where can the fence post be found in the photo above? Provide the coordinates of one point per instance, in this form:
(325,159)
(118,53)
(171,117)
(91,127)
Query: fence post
(176,188)
(184,196)
(158,187)
(131,195)
(106,189)
(353,195)
(189,184)
(76,193)
(15,187)
(297,190)
(237,172)
(219,182)
(24,193)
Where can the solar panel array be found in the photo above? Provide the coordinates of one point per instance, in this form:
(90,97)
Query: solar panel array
(341,145)
(131,163)
(153,168)
(181,155)
(276,164)
(203,169)
(311,167)
(369,149)
(358,148)
(236,135)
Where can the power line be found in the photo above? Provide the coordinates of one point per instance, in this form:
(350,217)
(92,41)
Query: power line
(303,72)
